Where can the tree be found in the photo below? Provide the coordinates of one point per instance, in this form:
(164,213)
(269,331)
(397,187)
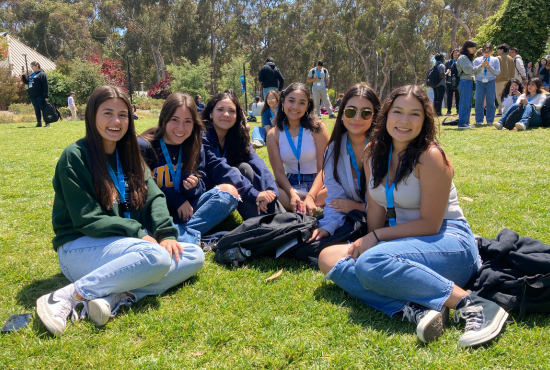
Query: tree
(191,78)
(59,88)
(112,71)
(8,87)
(85,78)
(232,79)
(520,23)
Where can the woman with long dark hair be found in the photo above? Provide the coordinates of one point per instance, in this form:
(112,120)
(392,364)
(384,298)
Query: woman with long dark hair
(530,103)
(343,162)
(454,55)
(269,110)
(230,158)
(419,264)
(194,203)
(38,90)
(512,91)
(104,199)
(467,73)
(296,145)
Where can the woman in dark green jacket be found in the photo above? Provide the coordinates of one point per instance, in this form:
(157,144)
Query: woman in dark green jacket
(104,201)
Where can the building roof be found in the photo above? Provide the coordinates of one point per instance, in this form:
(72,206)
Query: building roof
(16,59)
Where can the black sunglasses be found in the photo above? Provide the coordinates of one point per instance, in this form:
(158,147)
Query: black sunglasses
(351,112)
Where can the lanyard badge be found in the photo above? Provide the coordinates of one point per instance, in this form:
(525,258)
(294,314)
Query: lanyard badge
(390,211)
(176,174)
(297,151)
(120,185)
(354,161)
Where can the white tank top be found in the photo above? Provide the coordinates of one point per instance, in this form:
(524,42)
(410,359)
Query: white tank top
(406,199)
(308,156)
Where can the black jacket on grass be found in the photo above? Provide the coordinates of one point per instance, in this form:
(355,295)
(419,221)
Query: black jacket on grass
(77,211)
(38,84)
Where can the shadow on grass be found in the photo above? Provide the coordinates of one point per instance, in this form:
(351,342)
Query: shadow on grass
(28,295)
(360,313)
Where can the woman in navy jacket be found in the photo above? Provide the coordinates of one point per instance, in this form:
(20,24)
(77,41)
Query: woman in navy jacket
(38,90)
(230,158)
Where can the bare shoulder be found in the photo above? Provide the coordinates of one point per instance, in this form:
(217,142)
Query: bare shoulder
(322,133)
(435,160)
(273,135)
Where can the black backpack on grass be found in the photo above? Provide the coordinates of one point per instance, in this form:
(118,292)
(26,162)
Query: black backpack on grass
(545,112)
(514,118)
(261,236)
(50,113)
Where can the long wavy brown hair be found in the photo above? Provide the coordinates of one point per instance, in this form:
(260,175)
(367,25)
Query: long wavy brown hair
(309,120)
(128,151)
(380,140)
(339,128)
(191,147)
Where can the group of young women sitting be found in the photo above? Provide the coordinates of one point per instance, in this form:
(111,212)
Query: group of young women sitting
(129,211)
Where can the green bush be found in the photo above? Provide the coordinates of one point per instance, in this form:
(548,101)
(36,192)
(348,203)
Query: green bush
(148,103)
(22,108)
(84,77)
(66,113)
(59,88)
(191,78)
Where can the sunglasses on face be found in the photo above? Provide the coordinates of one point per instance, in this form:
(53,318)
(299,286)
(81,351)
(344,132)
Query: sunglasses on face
(352,112)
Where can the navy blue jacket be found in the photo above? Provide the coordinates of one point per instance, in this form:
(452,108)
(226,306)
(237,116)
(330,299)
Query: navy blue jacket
(38,84)
(266,117)
(152,153)
(220,172)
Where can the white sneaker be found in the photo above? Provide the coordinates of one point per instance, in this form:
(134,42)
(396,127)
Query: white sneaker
(257,144)
(521,126)
(429,323)
(497,125)
(100,310)
(54,308)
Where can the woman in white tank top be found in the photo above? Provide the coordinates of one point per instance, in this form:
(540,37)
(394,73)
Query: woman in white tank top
(418,265)
(296,146)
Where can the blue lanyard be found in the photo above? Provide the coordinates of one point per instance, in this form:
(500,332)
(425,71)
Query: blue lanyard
(390,212)
(486,67)
(297,151)
(176,175)
(354,161)
(529,100)
(318,72)
(514,98)
(271,113)
(120,185)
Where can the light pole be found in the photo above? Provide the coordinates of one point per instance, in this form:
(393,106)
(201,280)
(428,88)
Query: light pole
(129,78)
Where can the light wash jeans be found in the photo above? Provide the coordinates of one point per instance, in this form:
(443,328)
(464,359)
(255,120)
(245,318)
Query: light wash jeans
(465,90)
(535,119)
(259,133)
(485,90)
(319,95)
(268,89)
(422,270)
(117,264)
(210,209)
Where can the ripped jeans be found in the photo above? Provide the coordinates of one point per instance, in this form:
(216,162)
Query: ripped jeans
(422,270)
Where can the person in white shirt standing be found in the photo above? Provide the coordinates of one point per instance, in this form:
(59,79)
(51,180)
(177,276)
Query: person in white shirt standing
(520,73)
(72,106)
(321,79)
(486,85)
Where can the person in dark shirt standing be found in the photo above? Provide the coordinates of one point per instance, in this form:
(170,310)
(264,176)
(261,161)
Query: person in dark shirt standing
(38,90)
(270,77)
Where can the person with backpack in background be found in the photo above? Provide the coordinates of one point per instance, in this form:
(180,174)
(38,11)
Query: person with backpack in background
(451,89)
(437,73)
(507,71)
(38,90)
(270,77)
(321,80)
(467,72)
(485,85)
(519,67)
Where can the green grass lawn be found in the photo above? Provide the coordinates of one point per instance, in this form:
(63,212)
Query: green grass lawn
(226,318)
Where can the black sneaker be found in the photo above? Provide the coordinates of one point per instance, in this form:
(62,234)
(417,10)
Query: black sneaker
(484,319)
(38,125)
(429,323)
(448,112)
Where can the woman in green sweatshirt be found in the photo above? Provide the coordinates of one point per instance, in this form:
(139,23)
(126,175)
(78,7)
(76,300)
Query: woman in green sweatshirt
(104,199)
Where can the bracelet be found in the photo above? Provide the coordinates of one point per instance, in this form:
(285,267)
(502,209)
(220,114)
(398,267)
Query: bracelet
(309,195)
(376,236)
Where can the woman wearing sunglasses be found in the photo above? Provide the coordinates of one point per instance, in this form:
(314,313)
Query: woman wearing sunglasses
(343,165)
(296,147)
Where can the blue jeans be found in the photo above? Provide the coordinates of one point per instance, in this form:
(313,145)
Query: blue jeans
(210,209)
(306,180)
(465,90)
(268,89)
(259,133)
(535,119)
(117,264)
(422,270)
(485,90)
(38,102)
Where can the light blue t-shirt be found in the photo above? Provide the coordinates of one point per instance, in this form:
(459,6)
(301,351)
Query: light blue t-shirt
(492,71)
(315,73)
(70,102)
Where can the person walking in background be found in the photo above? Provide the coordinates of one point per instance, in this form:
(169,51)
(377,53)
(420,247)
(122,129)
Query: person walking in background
(519,67)
(467,72)
(38,90)
(72,106)
(270,77)
(321,81)
(485,85)
(507,71)
(455,54)
(439,90)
